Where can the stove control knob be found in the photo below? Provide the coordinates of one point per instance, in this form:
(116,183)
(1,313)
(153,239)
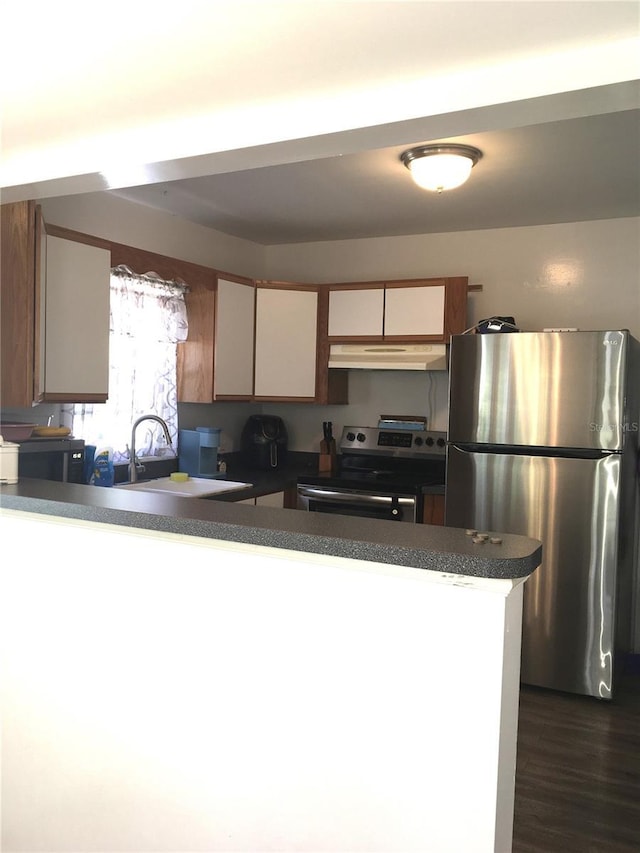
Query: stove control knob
(351,436)
(417,441)
(440,442)
(361,436)
(429,442)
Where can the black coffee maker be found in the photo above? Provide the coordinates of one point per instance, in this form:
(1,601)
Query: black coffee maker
(264,442)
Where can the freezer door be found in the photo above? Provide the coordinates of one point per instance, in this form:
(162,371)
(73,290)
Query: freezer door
(572,506)
(539,389)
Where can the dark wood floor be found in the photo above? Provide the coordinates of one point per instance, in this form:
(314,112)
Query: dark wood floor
(578,772)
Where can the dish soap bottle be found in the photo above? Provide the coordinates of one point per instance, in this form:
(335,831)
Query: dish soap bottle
(103,471)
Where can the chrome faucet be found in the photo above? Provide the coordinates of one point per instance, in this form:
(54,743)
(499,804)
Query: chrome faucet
(133,473)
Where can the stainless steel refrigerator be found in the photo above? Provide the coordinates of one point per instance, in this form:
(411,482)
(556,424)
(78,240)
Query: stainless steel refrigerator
(543,441)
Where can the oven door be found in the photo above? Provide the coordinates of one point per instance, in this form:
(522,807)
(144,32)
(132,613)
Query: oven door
(360,503)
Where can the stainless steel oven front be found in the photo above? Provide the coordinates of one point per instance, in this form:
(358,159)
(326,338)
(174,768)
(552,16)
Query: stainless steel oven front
(358,502)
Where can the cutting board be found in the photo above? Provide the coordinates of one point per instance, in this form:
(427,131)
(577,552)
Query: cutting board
(194,487)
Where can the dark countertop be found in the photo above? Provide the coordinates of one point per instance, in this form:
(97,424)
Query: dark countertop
(439,549)
(267,482)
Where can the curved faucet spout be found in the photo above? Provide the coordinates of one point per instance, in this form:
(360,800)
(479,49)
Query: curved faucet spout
(133,472)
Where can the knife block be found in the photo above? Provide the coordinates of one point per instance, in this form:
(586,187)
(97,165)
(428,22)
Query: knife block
(327,458)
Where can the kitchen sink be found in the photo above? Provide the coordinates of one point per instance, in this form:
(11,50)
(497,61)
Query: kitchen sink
(194,487)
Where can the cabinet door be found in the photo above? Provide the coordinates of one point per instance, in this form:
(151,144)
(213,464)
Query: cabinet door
(234,355)
(414,311)
(356,313)
(286,333)
(433,512)
(195,355)
(17,287)
(274,499)
(76,347)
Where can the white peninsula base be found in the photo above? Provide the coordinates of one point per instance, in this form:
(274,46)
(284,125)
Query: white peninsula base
(168,693)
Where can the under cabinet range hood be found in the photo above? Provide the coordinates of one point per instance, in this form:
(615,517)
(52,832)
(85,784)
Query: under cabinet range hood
(389,356)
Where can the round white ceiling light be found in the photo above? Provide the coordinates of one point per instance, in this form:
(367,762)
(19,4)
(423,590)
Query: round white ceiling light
(440,167)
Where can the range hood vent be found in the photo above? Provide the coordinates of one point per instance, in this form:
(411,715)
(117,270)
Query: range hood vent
(389,356)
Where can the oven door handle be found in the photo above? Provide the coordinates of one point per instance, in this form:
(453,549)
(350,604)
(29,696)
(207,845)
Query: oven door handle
(350,497)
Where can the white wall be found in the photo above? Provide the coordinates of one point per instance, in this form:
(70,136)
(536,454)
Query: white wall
(581,274)
(114,218)
(371,393)
(173,693)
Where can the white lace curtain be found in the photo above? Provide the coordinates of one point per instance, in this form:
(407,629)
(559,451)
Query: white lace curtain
(148,317)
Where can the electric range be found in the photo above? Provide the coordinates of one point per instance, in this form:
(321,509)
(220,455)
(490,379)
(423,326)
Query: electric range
(380,473)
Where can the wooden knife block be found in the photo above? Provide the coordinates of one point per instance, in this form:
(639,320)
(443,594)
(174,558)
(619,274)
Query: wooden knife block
(327,458)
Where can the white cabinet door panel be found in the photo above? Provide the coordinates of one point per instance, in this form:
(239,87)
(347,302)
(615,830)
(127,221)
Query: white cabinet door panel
(414,311)
(76,345)
(356,312)
(286,332)
(233,372)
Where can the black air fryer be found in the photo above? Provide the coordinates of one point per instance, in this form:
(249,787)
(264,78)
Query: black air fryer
(264,442)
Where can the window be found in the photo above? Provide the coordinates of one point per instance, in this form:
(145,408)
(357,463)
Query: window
(148,319)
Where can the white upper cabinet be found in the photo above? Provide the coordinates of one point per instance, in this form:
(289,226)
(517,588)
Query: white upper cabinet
(356,313)
(419,309)
(75,322)
(414,311)
(286,335)
(234,336)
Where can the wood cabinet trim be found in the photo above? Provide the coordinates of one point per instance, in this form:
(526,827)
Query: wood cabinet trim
(322,346)
(412,339)
(77,236)
(195,356)
(286,285)
(72,397)
(433,510)
(38,306)
(423,282)
(357,339)
(171,269)
(269,399)
(455,307)
(17,295)
(387,283)
(354,285)
(236,279)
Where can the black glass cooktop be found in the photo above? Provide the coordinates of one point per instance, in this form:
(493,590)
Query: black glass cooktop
(381,473)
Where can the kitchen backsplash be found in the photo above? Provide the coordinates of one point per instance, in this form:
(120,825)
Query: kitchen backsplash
(371,393)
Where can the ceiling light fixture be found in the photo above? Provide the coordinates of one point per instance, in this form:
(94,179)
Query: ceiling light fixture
(440,167)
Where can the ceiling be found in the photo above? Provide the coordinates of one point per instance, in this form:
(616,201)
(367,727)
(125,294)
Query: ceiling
(283,121)
(563,171)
